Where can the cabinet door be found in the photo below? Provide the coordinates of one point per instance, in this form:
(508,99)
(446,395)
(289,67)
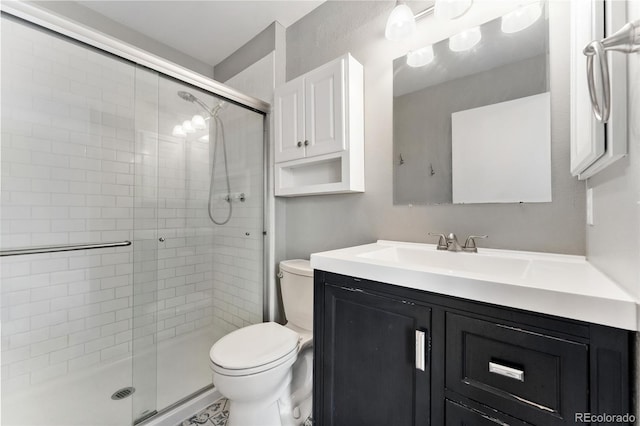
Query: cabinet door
(324,109)
(289,121)
(370,374)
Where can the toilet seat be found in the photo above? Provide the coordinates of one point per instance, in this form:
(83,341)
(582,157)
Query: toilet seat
(253,349)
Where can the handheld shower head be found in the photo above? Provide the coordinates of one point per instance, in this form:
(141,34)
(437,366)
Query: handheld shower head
(187,96)
(193,99)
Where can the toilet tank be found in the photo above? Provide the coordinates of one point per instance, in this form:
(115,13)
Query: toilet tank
(296,284)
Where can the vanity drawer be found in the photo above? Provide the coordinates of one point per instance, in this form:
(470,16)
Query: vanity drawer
(534,377)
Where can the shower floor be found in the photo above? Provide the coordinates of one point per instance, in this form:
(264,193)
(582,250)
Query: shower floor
(77,400)
(84,399)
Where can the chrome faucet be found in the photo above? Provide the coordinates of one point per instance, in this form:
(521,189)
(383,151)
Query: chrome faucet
(470,244)
(450,243)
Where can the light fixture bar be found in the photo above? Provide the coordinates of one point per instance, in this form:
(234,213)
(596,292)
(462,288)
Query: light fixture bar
(428,11)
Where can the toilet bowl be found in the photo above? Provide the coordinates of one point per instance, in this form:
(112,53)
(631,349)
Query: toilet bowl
(265,370)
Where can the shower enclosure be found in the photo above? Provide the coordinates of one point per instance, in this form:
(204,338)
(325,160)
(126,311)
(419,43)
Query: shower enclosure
(132,219)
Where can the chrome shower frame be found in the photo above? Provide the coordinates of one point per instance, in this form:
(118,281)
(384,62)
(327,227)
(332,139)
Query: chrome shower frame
(76,31)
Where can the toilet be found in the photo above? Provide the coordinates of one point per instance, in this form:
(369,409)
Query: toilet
(266,369)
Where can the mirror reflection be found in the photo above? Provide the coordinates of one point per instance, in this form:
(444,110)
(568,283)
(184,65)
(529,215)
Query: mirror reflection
(471,115)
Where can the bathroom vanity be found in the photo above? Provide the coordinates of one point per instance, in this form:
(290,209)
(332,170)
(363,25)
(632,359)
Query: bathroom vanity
(407,335)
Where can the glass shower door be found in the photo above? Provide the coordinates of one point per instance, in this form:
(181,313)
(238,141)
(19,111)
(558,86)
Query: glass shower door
(208,247)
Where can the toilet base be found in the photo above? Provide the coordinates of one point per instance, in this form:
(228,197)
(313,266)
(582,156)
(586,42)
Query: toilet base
(247,414)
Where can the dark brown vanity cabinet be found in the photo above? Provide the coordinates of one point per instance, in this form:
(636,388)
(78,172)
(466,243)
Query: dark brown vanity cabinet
(388,355)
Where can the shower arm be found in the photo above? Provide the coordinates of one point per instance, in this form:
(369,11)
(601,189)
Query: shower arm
(211,111)
(203,105)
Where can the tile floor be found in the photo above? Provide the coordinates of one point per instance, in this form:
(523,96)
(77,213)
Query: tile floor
(216,415)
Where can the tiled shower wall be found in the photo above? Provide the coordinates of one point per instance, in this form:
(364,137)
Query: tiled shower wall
(67,177)
(79,164)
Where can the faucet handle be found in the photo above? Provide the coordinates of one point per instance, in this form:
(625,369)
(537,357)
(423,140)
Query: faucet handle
(470,243)
(442,241)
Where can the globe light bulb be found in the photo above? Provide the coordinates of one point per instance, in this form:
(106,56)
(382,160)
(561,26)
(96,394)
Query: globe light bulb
(401,23)
(178,131)
(465,40)
(420,57)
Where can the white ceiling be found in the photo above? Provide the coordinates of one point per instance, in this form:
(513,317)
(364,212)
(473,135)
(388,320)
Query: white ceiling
(206,30)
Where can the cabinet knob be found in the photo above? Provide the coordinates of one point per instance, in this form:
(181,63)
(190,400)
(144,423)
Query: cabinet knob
(306,143)
(299,144)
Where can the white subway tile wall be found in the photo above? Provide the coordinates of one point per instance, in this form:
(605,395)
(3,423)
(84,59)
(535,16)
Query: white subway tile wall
(87,156)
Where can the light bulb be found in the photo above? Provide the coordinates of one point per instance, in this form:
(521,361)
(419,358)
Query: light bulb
(178,131)
(188,127)
(401,23)
(521,18)
(451,9)
(420,57)
(198,122)
(465,40)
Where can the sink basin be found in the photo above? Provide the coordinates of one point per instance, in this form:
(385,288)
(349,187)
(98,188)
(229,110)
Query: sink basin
(555,284)
(452,263)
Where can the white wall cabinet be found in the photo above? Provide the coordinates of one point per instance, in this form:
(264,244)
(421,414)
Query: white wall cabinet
(319,131)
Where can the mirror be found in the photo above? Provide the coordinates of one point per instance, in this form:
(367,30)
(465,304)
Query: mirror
(473,126)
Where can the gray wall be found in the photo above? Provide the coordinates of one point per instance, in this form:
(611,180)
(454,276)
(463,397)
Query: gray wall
(250,53)
(422,125)
(90,18)
(326,222)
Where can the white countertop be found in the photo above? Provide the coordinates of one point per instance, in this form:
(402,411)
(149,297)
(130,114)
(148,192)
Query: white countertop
(562,285)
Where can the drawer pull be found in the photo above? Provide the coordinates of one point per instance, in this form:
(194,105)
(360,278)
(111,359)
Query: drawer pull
(503,370)
(420,349)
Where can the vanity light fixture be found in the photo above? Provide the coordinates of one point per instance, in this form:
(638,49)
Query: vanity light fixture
(465,40)
(401,23)
(197,121)
(420,57)
(521,18)
(451,9)
(178,131)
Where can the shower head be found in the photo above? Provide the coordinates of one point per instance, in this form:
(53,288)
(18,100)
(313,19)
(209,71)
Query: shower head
(193,99)
(187,96)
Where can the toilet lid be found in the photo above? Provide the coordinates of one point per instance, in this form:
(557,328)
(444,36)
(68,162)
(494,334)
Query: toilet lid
(253,346)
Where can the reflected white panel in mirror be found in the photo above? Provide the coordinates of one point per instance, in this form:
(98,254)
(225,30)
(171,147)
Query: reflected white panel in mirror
(501,153)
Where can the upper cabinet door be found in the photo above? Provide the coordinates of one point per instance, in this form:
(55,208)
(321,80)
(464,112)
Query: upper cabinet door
(289,121)
(324,107)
